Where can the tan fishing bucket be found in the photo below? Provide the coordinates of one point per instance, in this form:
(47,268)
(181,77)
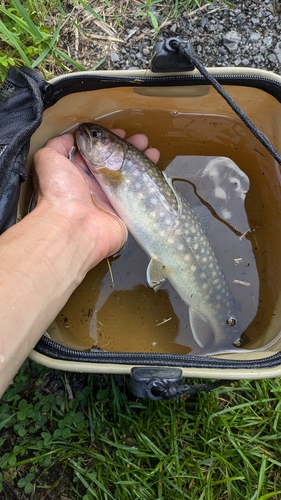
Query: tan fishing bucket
(182,115)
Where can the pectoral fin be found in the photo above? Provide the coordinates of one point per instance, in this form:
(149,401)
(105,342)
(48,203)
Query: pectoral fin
(201,330)
(110,177)
(156,274)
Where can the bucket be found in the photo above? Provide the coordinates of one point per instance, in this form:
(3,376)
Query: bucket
(114,322)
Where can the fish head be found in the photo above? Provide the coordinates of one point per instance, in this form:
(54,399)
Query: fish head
(100,148)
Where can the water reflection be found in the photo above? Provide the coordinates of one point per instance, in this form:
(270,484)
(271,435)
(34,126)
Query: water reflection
(216,189)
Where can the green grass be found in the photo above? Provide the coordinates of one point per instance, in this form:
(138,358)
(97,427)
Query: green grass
(27,39)
(103,443)
(30,30)
(106,444)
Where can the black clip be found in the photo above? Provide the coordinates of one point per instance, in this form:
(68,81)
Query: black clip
(167,58)
(155,383)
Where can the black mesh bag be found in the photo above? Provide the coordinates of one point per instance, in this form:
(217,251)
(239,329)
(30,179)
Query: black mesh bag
(21,109)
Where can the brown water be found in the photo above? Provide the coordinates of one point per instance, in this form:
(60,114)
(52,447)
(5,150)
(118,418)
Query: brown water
(115,310)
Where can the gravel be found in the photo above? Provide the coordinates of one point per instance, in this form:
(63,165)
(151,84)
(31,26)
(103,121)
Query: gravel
(247,34)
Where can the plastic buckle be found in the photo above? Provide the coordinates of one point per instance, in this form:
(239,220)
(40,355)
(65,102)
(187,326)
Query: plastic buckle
(155,383)
(167,57)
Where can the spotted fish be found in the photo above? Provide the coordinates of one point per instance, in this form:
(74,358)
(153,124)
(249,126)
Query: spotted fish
(167,229)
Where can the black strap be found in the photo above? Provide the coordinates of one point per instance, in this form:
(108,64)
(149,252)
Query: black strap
(171,390)
(184,49)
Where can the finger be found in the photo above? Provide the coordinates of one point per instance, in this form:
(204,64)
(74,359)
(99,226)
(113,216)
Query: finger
(119,131)
(79,161)
(61,144)
(153,154)
(96,191)
(140,141)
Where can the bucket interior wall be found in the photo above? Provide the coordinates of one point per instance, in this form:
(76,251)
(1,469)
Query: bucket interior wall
(188,121)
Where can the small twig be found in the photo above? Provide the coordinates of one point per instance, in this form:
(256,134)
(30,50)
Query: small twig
(76,45)
(256,242)
(103,37)
(164,321)
(105,28)
(238,282)
(237,261)
(87,18)
(218,8)
(244,234)
(141,36)
(69,16)
(68,388)
(131,33)
(110,272)
(165,23)
(198,10)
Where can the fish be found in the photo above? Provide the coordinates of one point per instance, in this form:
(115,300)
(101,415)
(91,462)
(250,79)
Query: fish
(168,230)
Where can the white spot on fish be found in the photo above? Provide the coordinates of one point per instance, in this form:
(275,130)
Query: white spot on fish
(180,247)
(153,201)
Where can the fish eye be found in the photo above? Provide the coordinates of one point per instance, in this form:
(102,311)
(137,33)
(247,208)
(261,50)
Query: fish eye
(95,133)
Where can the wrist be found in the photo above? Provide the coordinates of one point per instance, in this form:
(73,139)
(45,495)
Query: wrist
(42,260)
(63,240)
(85,233)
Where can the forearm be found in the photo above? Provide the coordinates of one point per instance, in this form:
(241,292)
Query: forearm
(44,257)
(42,260)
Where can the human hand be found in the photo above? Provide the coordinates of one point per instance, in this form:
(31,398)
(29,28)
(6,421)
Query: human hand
(78,199)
